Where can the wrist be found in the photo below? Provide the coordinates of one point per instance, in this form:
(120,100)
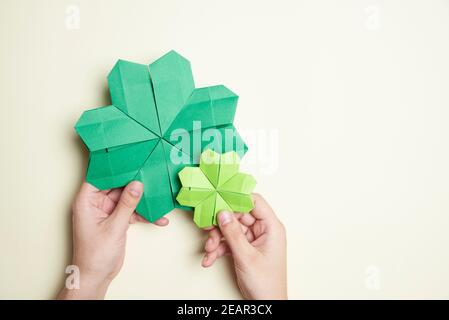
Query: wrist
(87,284)
(94,282)
(90,288)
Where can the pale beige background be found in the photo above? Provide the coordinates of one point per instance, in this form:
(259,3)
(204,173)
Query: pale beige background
(357,91)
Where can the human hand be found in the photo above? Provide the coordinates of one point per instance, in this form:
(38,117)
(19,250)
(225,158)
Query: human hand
(257,243)
(100,222)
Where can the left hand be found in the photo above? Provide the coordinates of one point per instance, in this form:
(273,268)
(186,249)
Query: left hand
(100,223)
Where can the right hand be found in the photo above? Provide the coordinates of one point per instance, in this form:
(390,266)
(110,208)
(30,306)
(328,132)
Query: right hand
(257,243)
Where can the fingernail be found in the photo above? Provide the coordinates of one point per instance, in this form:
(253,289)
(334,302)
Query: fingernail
(224,218)
(206,257)
(135,188)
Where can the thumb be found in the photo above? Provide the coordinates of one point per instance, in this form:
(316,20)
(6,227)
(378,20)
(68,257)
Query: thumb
(127,203)
(232,231)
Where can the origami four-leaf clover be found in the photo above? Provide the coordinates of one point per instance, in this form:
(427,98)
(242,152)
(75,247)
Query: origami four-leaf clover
(216,185)
(136,137)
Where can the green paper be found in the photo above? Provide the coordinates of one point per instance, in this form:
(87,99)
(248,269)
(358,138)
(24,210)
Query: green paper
(105,127)
(113,168)
(173,84)
(174,168)
(237,201)
(193,196)
(229,166)
(157,198)
(213,106)
(137,137)
(244,181)
(132,92)
(221,139)
(208,163)
(220,205)
(193,177)
(214,186)
(202,216)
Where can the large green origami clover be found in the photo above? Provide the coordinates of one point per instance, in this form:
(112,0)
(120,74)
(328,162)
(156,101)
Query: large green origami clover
(216,185)
(157,117)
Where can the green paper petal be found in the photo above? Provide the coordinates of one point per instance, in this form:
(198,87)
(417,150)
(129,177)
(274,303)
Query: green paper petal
(237,201)
(203,215)
(239,183)
(118,166)
(193,177)
(192,197)
(229,166)
(173,84)
(132,92)
(210,165)
(212,106)
(157,198)
(104,127)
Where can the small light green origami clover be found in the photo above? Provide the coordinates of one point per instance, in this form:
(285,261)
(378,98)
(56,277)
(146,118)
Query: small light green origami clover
(216,185)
